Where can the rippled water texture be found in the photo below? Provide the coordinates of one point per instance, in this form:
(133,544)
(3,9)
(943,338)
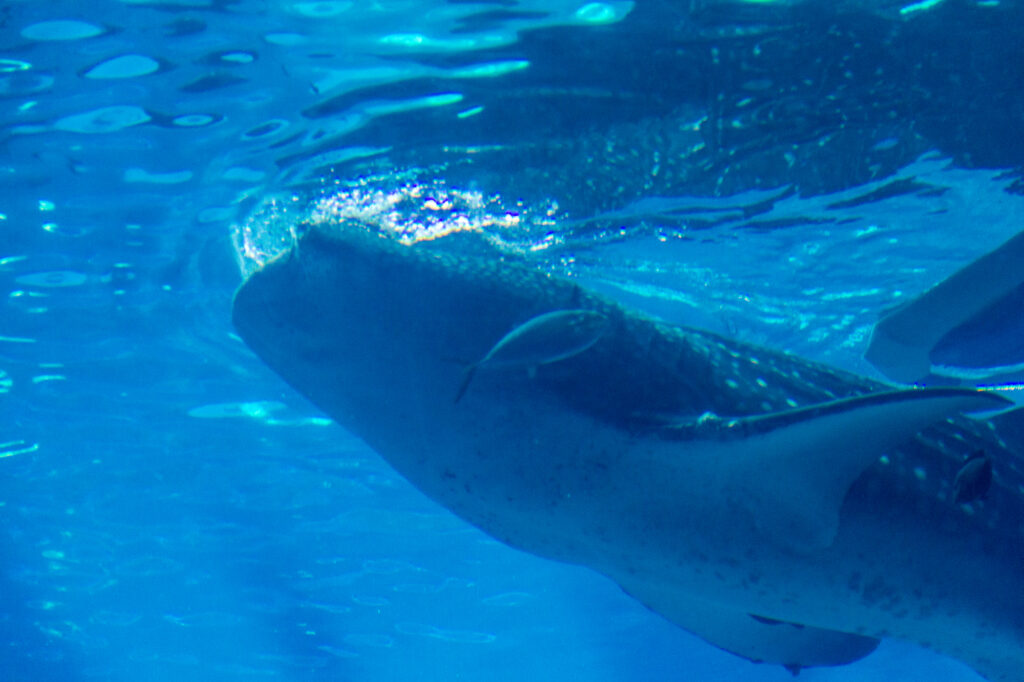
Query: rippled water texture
(783,172)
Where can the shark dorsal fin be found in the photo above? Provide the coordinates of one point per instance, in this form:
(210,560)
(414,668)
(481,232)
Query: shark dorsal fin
(791,470)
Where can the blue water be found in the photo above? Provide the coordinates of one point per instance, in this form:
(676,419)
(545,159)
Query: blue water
(782,172)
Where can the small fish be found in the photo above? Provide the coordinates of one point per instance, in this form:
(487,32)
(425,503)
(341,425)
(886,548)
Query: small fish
(544,339)
(974,479)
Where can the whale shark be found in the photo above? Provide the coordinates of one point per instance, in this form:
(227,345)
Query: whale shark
(780,509)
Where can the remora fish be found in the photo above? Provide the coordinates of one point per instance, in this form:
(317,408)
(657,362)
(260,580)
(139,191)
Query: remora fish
(544,339)
(787,513)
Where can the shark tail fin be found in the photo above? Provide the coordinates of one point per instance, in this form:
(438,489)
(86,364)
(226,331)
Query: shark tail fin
(467,377)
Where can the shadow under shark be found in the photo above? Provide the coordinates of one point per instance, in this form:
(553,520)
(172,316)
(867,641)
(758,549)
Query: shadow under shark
(779,509)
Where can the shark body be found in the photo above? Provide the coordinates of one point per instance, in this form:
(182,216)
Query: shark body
(781,510)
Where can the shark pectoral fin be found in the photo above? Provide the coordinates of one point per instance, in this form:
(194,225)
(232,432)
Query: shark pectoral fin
(791,470)
(755,638)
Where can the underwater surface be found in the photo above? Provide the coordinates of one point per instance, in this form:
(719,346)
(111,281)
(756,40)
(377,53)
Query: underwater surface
(786,173)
